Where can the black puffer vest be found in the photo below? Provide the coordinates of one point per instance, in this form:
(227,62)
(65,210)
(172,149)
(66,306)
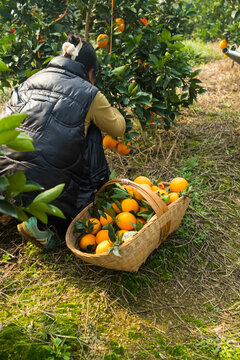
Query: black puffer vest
(57,100)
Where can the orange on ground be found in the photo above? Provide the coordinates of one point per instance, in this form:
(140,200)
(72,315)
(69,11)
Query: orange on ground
(109,142)
(143,180)
(102,41)
(123,148)
(96,225)
(116,208)
(124,220)
(178,184)
(120,232)
(101,236)
(105,221)
(130,205)
(102,247)
(129,189)
(88,242)
(120,24)
(173,197)
(223,44)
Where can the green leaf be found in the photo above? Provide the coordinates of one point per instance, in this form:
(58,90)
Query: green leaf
(7,208)
(47,208)
(20,214)
(39,215)
(112,175)
(154,59)
(7,136)
(11,122)
(166,35)
(21,143)
(116,251)
(17,181)
(3,66)
(4,183)
(31,186)
(118,71)
(51,194)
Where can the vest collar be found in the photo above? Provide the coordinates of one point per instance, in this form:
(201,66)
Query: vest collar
(68,64)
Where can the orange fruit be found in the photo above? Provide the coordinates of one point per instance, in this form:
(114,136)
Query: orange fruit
(120,232)
(143,180)
(88,242)
(96,225)
(161,192)
(123,148)
(105,221)
(129,189)
(223,44)
(102,247)
(141,220)
(124,220)
(142,208)
(102,41)
(137,194)
(101,236)
(130,205)
(120,24)
(109,142)
(116,208)
(154,187)
(178,184)
(173,197)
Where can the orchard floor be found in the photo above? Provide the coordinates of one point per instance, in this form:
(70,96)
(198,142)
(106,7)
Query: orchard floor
(184,301)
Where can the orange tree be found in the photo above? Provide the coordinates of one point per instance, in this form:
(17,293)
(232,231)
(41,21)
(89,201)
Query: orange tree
(146,74)
(146,70)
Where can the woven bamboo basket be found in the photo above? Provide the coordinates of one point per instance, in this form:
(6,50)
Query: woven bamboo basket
(136,250)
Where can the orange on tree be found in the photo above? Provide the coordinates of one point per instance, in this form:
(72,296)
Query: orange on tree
(123,148)
(88,242)
(178,184)
(102,247)
(102,41)
(223,44)
(105,220)
(102,235)
(109,142)
(130,205)
(94,224)
(173,197)
(143,180)
(124,221)
(120,24)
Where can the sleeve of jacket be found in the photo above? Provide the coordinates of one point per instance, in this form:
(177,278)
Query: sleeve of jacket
(107,118)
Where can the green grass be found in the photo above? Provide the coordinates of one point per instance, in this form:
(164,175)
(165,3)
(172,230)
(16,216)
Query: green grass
(201,52)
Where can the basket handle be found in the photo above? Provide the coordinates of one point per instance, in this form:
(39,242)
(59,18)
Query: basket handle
(153,199)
